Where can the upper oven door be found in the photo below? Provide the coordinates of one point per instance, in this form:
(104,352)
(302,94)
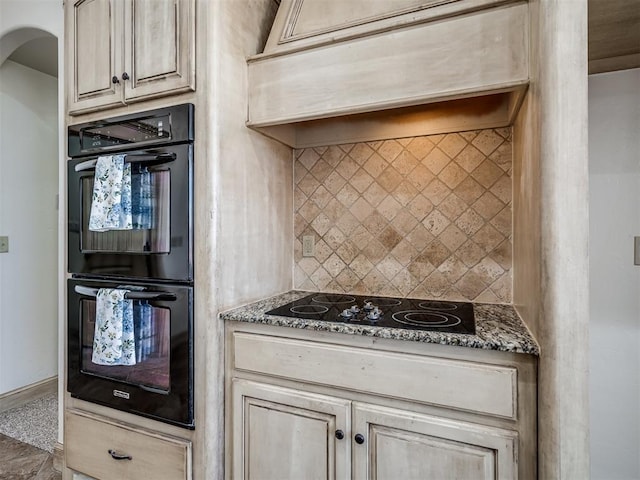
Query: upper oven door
(159,244)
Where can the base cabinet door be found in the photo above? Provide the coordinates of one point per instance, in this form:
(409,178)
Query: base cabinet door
(282,434)
(392,444)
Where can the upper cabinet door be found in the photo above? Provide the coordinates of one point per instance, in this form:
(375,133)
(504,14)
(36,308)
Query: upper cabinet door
(159,47)
(94,52)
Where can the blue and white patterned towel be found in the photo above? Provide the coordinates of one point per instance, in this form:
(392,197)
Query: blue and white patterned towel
(111,201)
(114,336)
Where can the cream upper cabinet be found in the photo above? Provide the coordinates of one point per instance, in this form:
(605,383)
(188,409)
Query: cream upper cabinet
(125,51)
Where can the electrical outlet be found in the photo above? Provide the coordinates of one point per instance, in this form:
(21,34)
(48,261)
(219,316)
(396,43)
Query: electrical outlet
(308,246)
(636,250)
(4,244)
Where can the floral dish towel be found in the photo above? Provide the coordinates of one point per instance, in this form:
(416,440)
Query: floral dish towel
(111,200)
(114,336)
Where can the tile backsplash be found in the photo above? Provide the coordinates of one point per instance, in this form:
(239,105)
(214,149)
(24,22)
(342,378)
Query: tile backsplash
(424,217)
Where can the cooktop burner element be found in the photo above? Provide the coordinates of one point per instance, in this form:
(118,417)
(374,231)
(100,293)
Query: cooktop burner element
(386,312)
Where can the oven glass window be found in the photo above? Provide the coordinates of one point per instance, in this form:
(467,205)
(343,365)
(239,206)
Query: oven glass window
(152,344)
(150,207)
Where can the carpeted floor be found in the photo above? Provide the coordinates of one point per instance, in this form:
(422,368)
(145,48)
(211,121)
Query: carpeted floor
(35,423)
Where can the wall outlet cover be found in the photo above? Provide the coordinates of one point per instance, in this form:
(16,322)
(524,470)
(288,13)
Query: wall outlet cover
(636,250)
(308,246)
(4,244)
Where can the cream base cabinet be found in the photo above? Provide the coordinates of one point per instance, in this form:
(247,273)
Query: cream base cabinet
(396,444)
(123,51)
(288,434)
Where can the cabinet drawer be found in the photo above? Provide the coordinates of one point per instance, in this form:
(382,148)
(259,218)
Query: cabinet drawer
(465,385)
(89,439)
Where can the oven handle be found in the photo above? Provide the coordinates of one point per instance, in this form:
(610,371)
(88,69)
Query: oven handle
(131,158)
(92,292)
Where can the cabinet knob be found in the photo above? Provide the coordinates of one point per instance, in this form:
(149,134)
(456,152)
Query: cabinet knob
(125,76)
(114,80)
(359,438)
(119,456)
(339,434)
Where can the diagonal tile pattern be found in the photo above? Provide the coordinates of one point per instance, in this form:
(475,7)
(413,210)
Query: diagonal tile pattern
(424,217)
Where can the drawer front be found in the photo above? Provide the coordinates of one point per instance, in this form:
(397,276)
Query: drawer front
(464,385)
(90,439)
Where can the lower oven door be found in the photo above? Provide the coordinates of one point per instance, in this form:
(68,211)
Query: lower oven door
(157,380)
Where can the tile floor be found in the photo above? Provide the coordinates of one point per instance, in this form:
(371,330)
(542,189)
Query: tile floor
(21,461)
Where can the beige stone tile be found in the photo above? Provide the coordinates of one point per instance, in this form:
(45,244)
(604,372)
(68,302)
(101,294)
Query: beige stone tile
(320,278)
(405,163)
(389,179)
(308,158)
(404,193)
(321,170)
(452,175)
(470,253)
(487,297)
(334,182)
(502,221)
(436,222)
(348,251)
(375,145)
(404,282)
(421,177)
(334,265)
(452,207)
(452,144)
(420,207)
(487,173)
(503,287)
(334,238)
(333,287)
(374,251)
(333,155)
(504,132)
(389,207)
(374,194)
(435,285)
(469,136)
(503,254)
(487,141)
(321,196)
(488,238)
(503,189)
(297,152)
(389,267)
(361,181)
(361,236)
(334,210)
(347,167)
(375,281)
(420,237)
(435,253)
(420,268)
(420,147)
(346,147)
(307,284)
(404,222)
(321,224)
(471,285)
(347,195)
(323,251)
(299,225)
(389,238)
(436,192)
(347,223)
(308,184)
(469,190)
(308,265)
(503,156)
(469,222)
(361,266)
(488,205)
(347,279)
(320,150)
(452,237)
(453,269)
(436,138)
(375,165)
(375,223)
(360,289)
(298,172)
(404,141)
(469,158)
(404,252)
(361,153)
(298,198)
(309,211)
(453,294)
(488,270)
(436,161)
(361,209)
(389,150)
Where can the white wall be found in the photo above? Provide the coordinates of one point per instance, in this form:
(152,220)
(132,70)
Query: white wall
(614,176)
(28,215)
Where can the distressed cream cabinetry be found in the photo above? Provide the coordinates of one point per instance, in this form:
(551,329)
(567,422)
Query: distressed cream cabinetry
(105,449)
(122,51)
(319,405)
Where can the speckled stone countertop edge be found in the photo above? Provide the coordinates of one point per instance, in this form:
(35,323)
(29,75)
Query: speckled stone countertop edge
(498,326)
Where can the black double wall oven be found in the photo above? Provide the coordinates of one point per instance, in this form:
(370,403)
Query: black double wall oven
(130,295)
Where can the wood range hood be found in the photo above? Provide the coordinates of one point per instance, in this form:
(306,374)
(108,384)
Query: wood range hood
(336,71)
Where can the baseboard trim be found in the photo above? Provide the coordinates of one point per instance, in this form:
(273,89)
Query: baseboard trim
(58,457)
(23,395)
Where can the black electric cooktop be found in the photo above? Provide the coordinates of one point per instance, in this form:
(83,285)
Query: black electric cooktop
(386,312)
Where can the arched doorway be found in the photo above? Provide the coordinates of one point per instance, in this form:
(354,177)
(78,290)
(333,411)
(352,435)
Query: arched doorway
(29,183)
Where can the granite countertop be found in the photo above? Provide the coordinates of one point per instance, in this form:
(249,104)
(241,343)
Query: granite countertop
(498,327)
